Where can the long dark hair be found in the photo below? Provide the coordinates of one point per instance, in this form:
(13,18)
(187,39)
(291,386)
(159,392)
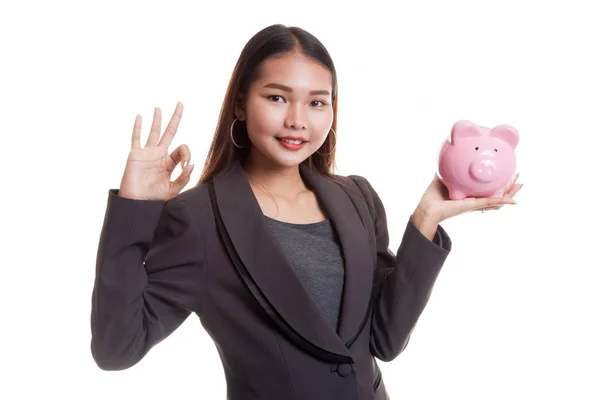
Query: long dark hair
(271,41)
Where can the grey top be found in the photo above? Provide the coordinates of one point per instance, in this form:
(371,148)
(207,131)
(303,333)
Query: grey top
(314,252)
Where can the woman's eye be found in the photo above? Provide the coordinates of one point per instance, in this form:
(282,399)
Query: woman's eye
(315,103)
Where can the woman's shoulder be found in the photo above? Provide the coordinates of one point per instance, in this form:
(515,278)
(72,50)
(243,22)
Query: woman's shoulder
(353,181)
(196,199)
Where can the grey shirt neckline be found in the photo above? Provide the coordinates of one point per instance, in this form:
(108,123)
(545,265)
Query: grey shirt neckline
(325,221)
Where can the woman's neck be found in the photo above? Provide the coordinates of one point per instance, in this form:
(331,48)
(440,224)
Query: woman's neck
(284,182)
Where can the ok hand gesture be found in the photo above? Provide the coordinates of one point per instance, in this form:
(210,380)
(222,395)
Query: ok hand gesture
(148,170)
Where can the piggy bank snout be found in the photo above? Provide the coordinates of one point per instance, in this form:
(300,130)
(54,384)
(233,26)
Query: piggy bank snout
(483,170)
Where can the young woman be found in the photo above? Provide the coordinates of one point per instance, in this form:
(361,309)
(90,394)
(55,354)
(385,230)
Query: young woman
(285,263)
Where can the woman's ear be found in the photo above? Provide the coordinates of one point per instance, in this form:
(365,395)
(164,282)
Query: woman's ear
(240,112)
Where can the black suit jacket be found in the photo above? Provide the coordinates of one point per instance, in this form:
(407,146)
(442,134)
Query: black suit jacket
(209,251)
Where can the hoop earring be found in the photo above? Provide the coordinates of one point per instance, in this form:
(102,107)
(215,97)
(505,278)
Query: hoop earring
(334,146)
(231,135)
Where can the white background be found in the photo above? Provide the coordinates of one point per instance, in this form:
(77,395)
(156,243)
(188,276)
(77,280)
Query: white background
(514,313)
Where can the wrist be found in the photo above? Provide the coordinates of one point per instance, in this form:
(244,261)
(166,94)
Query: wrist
(425,223)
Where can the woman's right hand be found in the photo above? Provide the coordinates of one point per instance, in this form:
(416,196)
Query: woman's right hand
(148,170)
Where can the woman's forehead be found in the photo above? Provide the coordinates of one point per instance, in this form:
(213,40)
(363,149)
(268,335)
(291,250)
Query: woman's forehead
(294,71)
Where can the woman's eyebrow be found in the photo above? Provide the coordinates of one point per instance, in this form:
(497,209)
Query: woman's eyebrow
(290,90)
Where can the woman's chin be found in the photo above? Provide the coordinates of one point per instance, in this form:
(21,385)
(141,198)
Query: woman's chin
(287,159)
(282,157)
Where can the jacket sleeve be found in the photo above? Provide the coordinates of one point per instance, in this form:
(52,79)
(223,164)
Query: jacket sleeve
(149,273)
(406,280)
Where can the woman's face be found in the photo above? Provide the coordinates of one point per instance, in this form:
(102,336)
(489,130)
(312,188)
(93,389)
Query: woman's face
(290,98)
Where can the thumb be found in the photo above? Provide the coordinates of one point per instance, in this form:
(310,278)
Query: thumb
(183,178)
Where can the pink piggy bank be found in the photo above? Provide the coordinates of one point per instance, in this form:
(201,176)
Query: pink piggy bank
(478,161)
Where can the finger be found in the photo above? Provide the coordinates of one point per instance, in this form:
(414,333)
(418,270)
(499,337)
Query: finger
(511,185)
(473,203)
(155,129)
(183,179)
(167,137)
(516,177)
(519,188)
(513,190)
(180,154)
(137,131)
(510,192)
(492,202)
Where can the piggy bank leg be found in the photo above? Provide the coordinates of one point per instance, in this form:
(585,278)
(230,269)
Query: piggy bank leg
(455,194)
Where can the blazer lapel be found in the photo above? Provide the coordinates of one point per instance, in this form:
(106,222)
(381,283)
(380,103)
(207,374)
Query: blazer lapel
(275,278)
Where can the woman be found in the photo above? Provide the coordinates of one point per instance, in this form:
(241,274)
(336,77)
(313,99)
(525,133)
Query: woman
(285,263)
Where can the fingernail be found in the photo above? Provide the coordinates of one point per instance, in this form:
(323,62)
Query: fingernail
(192,168)
(185,163)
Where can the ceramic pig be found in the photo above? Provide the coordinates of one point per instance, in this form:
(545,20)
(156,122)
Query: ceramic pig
(478,161)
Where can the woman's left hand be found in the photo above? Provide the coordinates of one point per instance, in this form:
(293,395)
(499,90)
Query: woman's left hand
(436,206)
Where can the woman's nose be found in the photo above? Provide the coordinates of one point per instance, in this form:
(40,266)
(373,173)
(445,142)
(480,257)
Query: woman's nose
(296,118)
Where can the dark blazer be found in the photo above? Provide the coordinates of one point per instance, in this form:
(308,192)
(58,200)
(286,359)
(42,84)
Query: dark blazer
(209,251)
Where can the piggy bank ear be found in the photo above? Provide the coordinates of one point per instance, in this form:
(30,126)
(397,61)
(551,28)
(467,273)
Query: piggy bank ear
(464,128)
(507,133)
